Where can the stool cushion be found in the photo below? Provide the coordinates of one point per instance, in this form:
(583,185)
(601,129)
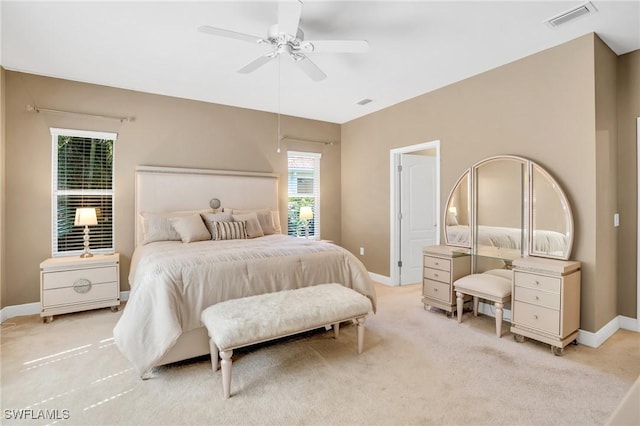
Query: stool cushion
(484,284)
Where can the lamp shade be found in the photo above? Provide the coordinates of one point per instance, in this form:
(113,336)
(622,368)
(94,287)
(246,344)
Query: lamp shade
(306,213)
(86,216)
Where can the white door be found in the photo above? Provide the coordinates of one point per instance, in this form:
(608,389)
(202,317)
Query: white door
(418,216)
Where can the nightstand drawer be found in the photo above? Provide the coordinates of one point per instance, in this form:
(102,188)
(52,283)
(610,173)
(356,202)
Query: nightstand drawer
(52,280)
(538,282)
(536,317)
(436,290)
(437,275)
(536,297)
(437,263)
(80,294)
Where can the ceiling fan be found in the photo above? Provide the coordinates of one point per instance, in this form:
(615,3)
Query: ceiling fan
(287,37)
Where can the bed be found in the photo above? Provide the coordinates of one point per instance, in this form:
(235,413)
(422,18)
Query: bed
(173,281)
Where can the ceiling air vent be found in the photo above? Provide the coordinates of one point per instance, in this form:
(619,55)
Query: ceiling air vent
(364,101)
(571,14)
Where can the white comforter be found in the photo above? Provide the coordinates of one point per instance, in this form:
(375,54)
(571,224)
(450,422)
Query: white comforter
(172,283)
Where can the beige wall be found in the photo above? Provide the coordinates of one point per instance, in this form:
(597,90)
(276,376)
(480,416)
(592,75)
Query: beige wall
(602,301)
(540,107)
(3,287)
(166,131)
(628,111)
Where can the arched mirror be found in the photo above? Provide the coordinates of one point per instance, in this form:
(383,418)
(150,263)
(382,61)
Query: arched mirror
(509,207)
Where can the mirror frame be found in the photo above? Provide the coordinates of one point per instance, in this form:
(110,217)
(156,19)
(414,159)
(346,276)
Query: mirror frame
(528,249)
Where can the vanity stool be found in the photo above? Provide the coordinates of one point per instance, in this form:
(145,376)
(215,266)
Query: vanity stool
(493,285)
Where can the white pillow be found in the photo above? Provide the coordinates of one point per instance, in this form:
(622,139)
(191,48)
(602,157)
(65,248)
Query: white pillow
(156,226)
(253,225)
(269,219)
(210,220)
(191,228)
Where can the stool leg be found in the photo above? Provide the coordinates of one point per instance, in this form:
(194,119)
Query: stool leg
(360,328)
(336,330)
(499,314)
(226,372)
(459,304)
(476,299)
(213,349)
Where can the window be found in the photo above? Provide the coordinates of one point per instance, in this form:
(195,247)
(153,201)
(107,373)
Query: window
(304,191)
(82,176)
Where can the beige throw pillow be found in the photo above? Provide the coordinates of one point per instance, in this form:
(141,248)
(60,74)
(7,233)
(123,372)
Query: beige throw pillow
(253,225)
(190,228)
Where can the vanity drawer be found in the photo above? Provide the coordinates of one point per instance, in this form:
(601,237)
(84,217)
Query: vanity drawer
(437,263)
(436,290)
(537,297)
(536,317)
(538,282)
(437,275)
(78,295)
(51,280)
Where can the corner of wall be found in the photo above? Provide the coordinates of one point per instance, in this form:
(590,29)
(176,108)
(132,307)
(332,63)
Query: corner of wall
(2,189)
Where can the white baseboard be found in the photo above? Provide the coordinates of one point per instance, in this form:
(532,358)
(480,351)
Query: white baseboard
(34,308)
(381,279)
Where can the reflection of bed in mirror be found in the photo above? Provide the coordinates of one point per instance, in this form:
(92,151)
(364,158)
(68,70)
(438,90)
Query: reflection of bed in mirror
(551,242)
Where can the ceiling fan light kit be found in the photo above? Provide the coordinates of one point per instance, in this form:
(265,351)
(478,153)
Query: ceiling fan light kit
(286,37)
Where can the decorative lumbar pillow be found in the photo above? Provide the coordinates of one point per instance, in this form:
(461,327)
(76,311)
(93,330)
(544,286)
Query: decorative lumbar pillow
(231,230)
(190,228)
(253,225)
(210,220)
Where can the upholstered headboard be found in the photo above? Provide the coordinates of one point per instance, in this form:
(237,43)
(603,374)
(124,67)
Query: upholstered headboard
(166,189)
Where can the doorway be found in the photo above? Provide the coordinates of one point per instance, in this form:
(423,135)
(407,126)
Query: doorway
(414,211)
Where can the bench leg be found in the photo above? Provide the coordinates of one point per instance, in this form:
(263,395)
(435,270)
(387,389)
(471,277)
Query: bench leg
(214,355)
(336,330)
(499,314)
(476,299)
(226,372)
(360,328)
(459,304)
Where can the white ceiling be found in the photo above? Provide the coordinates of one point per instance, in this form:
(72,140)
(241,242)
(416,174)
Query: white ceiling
(415,47)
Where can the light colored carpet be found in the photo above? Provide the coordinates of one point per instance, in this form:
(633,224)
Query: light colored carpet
(418,367)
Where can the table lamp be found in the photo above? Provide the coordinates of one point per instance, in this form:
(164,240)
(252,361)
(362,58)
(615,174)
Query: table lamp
(86,216)
(306,214)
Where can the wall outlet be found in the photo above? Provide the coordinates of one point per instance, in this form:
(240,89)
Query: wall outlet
(361,251)
(616,219)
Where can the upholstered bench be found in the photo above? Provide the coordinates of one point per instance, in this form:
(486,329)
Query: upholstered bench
(493,285)
(250,320)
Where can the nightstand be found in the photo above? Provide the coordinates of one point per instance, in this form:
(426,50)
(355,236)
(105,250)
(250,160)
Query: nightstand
(72,284)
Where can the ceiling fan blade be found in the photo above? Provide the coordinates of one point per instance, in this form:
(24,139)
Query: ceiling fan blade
(334,46)
(256,63)
(310,69)
(230,34)
(289,16)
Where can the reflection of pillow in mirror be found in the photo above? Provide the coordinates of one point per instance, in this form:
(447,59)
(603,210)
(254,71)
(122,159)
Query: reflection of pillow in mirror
(452,220)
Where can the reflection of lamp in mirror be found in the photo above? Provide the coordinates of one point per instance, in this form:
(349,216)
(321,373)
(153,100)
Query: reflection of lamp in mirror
(306,214)
(86,216)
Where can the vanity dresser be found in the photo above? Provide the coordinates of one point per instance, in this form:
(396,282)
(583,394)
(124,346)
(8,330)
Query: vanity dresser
(442,265)
(507,217)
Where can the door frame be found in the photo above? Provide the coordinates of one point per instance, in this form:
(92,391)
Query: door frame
(638,227)
(394,234)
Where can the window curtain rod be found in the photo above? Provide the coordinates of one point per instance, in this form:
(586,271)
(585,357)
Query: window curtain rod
(293,138)
(32,108)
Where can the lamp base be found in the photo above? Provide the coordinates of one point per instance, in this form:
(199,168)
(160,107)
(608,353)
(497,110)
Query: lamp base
(84,255)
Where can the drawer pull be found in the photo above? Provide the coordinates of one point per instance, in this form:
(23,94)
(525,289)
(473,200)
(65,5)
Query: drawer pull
(437,263)
(537,282)
(82,285)
(537,298)
(435,290)
(535,317)
(435,275)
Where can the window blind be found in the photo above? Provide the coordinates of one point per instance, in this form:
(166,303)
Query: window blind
(303,190)
(82,177)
